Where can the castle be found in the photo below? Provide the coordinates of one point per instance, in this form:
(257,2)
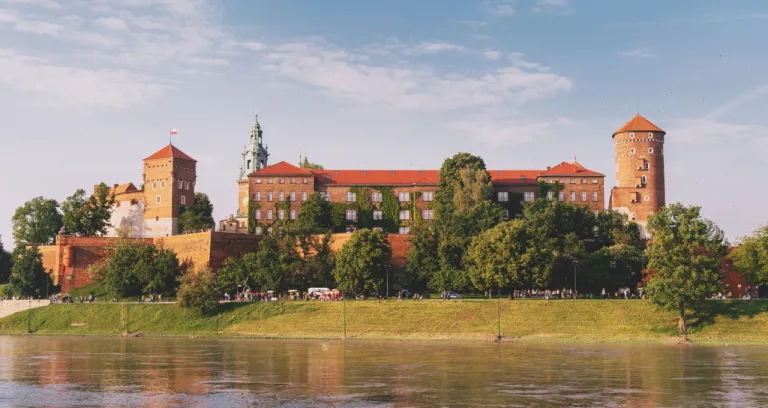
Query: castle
(279,189)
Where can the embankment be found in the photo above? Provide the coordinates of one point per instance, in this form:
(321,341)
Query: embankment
(568,320)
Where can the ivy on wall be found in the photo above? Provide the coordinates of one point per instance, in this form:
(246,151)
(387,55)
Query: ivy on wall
(253,206)
(389,206)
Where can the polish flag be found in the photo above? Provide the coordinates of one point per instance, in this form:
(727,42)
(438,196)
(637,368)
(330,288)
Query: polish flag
(174,131)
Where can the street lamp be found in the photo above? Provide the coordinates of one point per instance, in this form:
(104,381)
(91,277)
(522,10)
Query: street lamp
(387,266)
(575,264)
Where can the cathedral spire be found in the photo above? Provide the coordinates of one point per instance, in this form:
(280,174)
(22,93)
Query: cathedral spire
(255,154)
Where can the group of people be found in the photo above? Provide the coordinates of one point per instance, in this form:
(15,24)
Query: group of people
(248,296)
(625,293)
(150,298)
(546,294)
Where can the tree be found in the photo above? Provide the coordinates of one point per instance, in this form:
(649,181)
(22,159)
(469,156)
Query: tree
(315,214)
(683,258)
(472,187)
(750,257)
(198,216)
(423,261)
(88,216)
(6,263)
(611,267)
(200,291)
(508,256)
(361,264)
(28,277)
(36,222)
(134,268)
(306,164)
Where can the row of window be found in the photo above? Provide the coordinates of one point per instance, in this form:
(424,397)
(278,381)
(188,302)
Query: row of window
(632,135)
(280,214)
(183,185)
(561,196)
(633,150)
(527,196)
(403,197)
(404,215)
(571,181)
(402,230)
(158,200)
(280,196)
(282,181)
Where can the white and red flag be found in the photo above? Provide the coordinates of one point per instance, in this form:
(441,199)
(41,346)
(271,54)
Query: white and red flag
(174,131)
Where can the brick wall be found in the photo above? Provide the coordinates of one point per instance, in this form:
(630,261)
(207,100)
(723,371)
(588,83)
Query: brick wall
(400,246)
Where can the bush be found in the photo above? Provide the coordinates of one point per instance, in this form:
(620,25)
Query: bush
(199,291)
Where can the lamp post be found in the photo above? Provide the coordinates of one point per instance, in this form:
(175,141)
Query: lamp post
(575,264)
(387,266)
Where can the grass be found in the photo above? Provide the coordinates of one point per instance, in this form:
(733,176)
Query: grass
(100,292)
(580,320)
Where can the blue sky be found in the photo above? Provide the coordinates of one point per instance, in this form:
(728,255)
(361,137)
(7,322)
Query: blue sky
(90,87)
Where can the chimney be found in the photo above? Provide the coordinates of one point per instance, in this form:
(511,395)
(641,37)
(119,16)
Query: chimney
(549,167)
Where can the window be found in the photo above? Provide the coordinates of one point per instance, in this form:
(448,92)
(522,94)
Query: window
(646,165)
(293,181)
(378,229)
(280,214)
(326,195)
(183,200)
(597,212)
(573,196)
(258,181)
(377,215)
(281,196)
(249,165)
(269,231)
(583,181)
(376,197)
(292,214)
(550,195)
(303,196)
(650,135)
(506,214)
(351,197)
(562,181)
(594,196)
(258,214)
(270,181)
(583,196)
(351,215)
(404,197)
(304,181)
(157,199)
(650,150)
(632,216)
(269,214)
(632,151)
(427,214)
(257,196)
(154,185)
(293,196)
(594,181)
(561,196)
(428,196)
(258,231)
(643,179)
(188,184)
(162,183)
(503,196)
(647,198)
(405,215)
(529,196)
(549,181)
(572,181)
(631,135)
(281,181)
(181,184)
(404,230)
(269,196)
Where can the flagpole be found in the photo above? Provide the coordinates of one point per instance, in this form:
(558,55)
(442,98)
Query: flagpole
(170,136)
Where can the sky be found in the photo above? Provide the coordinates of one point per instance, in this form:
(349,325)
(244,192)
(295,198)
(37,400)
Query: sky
(88,88)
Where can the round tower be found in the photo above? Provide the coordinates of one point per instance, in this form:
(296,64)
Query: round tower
(640,189)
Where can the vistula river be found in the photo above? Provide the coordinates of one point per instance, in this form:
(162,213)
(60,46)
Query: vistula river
(160,372)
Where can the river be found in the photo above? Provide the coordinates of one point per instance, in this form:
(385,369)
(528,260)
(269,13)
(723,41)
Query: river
(160,372)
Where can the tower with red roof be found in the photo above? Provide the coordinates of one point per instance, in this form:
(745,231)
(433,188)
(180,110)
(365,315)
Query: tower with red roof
(640,189)
(169,182)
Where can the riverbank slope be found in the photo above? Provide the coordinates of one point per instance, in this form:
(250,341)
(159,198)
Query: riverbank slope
(570,320)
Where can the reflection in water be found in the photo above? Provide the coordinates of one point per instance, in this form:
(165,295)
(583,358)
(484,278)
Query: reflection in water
(158,372)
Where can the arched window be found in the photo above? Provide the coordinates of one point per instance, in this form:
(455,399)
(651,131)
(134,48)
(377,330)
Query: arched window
(631,135)
(632,151)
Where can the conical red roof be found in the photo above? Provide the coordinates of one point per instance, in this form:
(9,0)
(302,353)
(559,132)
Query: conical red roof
(168,152)
(638,124)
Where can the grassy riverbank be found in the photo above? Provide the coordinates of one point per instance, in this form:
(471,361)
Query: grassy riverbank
(580,320)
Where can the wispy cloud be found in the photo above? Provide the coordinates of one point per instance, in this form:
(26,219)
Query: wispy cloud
(739,100)
(555,6)
(427,47)
(501,8)
(492,55)
(637,53)
(475,24)
(701,129)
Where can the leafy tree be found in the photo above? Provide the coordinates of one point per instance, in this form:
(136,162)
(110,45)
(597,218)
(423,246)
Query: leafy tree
(306,164)
(200,291)
(750,257)
(450,175)
(271,267)
(36,222)
(253,206)
(233,273)
(508,256)
(88,216)
(361,264)
(315,214)
(611,268)
(28,277)
(423,261)
(6,263)
(683,258)
(198,216)
(133,268)
(472,187)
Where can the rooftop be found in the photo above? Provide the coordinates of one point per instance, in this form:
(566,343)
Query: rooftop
(170,151)
(638,124)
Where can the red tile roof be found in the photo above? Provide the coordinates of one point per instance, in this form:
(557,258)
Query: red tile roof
(638,124)
(377,177)
(514,177)
(281,169)
(168,152)
(123,188)
(570,169)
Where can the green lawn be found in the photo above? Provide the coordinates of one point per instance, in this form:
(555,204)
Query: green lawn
(100,292)
(580,320)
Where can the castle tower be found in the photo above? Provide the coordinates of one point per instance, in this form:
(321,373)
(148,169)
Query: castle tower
(169,182)
(640,189)
(255,154)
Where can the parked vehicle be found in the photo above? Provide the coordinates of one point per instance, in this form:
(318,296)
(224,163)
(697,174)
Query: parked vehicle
(450,295)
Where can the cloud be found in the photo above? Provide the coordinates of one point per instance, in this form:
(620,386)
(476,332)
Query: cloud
(741,99)
(474,24)
(52,4)
(555,6)
(498,132)
(432,48)
(111,23)
(500,8)
(517,60)
(395,46)
(702,130)
(637,53)
(492,54)
(399,84)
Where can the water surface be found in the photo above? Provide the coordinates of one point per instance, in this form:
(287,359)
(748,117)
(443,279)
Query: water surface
(159,372)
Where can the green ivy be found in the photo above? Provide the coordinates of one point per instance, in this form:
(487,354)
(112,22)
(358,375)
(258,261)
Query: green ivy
(514,206)
(253,206)
(390,210)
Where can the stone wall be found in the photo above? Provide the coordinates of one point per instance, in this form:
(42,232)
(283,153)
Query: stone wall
(191,249)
